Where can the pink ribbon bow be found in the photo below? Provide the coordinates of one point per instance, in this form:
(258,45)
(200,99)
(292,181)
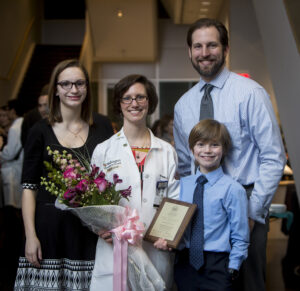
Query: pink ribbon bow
(131,231)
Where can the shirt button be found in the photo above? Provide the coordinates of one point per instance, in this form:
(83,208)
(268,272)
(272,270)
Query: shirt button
(144,200)
(146,176)
(262,216)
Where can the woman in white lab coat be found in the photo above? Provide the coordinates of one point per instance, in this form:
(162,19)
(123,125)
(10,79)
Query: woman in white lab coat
(144,162)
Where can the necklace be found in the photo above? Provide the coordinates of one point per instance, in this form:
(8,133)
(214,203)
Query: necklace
(143,143)
(75,133)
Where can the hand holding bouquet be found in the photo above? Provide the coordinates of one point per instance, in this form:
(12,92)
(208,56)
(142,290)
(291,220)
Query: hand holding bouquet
(84,190)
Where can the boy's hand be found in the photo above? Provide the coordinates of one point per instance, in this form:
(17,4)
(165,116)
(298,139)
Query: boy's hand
(162,245)
(233,273)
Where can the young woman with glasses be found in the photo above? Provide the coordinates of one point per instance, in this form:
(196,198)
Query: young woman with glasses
(144,162)
(59,251)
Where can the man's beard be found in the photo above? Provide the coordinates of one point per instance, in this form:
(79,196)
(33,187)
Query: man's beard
(213,71)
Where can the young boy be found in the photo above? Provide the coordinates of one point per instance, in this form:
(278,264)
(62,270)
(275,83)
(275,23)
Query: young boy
(216,242)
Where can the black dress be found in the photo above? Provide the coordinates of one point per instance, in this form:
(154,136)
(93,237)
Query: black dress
(68,248)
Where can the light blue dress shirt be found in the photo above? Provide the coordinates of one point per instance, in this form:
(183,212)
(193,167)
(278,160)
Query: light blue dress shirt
(257,155)
(226,227)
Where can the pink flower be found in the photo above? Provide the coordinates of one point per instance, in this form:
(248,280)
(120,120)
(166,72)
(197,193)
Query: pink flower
(126,193)
(101,183)
(74,203)
(70,173)
(101,175)
(82,186)
(69,194)
(94,171)
(116,179)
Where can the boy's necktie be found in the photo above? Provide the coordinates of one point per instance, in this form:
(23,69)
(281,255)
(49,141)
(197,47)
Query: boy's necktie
(207,107)
(197,233)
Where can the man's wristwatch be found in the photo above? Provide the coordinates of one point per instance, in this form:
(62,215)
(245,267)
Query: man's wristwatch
(233,273)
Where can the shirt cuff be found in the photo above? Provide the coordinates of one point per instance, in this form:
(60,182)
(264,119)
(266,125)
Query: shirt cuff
(256,212)
(234,264)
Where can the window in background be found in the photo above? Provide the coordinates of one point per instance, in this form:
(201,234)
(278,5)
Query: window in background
(169,93)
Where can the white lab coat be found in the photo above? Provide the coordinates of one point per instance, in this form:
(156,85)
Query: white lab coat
(114,156)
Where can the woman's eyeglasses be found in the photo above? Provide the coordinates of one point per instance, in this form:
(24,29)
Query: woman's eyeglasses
(67,85)
(139,99)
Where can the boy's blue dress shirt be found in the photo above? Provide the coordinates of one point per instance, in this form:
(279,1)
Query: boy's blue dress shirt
(226,227)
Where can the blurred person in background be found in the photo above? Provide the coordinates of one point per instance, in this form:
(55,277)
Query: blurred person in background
(4,125)
(36,114)
(166,128)
(156,128)
(11,159)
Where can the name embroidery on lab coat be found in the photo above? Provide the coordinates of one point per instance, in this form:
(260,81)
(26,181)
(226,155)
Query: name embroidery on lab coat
(112,165)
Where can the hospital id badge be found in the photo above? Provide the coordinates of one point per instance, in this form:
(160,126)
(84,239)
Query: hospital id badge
(161,186)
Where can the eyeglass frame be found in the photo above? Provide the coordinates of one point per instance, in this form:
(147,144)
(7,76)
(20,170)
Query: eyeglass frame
(73,83)
(136,99)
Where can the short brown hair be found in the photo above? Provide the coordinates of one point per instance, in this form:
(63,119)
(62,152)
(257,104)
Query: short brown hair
(210,130)
(44,90)
(164,122)
(207,22)
(54,102)
(124,84)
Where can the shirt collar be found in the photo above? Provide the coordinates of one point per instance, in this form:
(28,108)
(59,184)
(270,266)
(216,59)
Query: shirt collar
(212,177)
(218,81)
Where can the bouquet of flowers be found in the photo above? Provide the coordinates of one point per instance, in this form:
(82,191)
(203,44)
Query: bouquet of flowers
(84,190)
(76,185)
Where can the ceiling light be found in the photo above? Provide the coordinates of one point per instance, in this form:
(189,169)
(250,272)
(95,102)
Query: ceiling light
(204,9)
(205,3)
(120,13)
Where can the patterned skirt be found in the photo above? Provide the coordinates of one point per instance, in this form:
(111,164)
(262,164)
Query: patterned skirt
(62,274)
(68,251)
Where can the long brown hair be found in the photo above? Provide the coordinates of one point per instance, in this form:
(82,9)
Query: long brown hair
(54,101)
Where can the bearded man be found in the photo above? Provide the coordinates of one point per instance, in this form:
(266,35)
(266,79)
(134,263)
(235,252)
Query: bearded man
(257,157)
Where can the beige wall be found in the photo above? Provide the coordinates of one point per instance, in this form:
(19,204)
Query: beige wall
(18,34)
(130,38)
(283,61)
(246,47)
(173,63)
